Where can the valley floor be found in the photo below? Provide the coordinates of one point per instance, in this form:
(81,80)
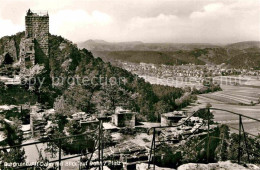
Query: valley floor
(243,99)
(236,94)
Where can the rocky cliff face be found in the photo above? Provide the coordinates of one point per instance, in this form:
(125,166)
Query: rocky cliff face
(10,48)
(10,45)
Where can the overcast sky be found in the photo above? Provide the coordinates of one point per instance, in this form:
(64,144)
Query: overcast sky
(177,21)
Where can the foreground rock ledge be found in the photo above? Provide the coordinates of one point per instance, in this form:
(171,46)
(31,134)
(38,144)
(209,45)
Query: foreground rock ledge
(227,165)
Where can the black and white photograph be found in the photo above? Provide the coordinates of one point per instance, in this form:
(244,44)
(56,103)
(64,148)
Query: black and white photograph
(130,84)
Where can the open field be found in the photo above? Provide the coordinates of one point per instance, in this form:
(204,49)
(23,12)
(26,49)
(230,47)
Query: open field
(229,99)
(253,81)
(236,98)
(242,98)
(235,95)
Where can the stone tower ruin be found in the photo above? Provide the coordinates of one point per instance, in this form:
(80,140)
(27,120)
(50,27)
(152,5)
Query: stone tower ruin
(37,27)
(36,34)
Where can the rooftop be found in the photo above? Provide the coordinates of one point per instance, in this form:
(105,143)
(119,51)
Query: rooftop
(37,13)
(175,114)
(120,110)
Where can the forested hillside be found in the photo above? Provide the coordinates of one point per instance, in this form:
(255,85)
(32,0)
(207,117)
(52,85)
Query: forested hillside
(66,61)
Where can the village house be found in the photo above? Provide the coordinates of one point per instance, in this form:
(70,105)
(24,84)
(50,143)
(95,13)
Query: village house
(172,118)
(123,118)
(86,121)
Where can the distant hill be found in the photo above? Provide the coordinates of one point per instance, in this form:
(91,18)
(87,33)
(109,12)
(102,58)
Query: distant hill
(155,57)
(100,45)
(239,55)
(244,45)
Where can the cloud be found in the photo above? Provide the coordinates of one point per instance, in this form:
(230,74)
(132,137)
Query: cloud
(7,27)
(238,21)
(139,22)
(213,11)
(51,5)
(151,28)
(220,21)
(213,7)
(214,22)
(74,24)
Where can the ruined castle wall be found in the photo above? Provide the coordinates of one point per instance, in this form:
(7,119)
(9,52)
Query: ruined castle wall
(27,53)
(8,46)
(11,49)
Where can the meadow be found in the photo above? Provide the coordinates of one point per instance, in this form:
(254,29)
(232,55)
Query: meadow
(237,99)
